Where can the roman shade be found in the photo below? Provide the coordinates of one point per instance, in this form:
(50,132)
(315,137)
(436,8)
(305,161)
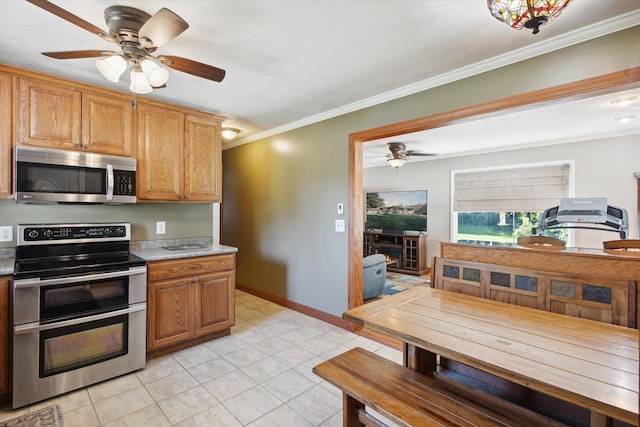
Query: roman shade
(520,189)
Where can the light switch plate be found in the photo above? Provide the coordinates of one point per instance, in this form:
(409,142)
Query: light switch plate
(340,208)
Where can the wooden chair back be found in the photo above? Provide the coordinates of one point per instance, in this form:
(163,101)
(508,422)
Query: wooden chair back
(541,242)
(629,247)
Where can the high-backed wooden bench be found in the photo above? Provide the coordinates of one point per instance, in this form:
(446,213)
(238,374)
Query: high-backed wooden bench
(409,398)
(574,294)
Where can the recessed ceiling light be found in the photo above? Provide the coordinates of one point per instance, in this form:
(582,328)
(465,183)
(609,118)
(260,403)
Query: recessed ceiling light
(624,101)
(624,119)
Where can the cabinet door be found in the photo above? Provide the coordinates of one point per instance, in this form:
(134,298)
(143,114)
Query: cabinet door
(215,302)
(6,133)
(170,312)
(203,158)
(48,114)
(5,335)
(160,153)
(107,124)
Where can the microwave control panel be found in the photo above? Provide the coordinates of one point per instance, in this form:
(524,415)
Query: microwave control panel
(124,183)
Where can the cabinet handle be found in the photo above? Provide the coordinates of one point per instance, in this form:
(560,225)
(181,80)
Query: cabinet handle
(85,145)
(188,197)
(194,267)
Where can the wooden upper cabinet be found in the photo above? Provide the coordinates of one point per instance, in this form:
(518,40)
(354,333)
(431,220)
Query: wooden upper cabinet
(6,135)
(179,155)
(160,153)
(48,114)
(107,124)
(203,158)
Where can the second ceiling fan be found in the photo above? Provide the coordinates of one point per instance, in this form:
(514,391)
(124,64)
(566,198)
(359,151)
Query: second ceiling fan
(139,35)
(399,154)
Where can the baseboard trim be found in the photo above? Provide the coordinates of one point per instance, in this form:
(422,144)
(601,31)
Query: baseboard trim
(321,315)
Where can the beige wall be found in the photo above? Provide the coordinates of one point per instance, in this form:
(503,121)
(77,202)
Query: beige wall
(182,220)
(280,193)
(603,168)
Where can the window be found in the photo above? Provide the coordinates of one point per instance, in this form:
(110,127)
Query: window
(496,206)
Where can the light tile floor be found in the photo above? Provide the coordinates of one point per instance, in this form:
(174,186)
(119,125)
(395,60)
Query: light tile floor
(259,376)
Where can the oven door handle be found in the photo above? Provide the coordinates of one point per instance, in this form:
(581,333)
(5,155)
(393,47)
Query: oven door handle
(28,328)
(37,282)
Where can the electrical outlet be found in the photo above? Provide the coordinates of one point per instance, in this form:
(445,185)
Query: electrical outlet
(6,233)
(339,225)
(161,227)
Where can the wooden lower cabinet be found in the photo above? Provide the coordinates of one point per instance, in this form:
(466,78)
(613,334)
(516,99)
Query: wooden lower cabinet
(189,301)
(5,338)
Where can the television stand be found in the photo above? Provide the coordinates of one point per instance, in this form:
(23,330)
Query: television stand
(406,253)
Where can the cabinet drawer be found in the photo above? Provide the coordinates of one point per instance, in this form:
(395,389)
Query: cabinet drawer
(159,270)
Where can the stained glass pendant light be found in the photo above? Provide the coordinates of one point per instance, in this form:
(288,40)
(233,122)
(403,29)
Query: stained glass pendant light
(530,14)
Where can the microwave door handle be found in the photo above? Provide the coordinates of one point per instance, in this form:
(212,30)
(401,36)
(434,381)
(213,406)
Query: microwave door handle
(109,182)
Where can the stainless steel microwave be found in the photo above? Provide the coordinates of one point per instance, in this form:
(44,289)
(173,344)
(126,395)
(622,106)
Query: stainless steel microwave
(43,175)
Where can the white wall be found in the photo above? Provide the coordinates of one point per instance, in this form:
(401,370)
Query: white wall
(602,168)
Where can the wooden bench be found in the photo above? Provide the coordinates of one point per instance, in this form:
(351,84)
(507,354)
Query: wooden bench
(409,398)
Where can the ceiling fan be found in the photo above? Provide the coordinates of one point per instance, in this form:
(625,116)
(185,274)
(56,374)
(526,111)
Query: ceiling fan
(398,154)
(139,35)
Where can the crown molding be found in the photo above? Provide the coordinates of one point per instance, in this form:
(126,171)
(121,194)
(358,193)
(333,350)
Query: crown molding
(581,35)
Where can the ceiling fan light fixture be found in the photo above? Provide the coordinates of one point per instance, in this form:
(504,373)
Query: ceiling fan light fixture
(139,83)
(156,75)
(112,67)
(396,162)
(229,133)
(530,14)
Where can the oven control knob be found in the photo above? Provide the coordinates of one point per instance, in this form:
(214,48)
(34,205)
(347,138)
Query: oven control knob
(33,234)
(119,231)
(48,234)
(107,231)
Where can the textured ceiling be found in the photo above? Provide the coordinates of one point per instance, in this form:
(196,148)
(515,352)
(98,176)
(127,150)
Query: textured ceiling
(291,63)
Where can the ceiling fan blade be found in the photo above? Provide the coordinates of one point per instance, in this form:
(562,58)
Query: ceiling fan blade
(68,16)
(418,154)
(76,54)
(192,67)
(163,27)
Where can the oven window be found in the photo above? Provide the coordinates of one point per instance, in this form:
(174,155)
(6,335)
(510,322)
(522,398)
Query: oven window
(77,299)
(72,347)
(43,178)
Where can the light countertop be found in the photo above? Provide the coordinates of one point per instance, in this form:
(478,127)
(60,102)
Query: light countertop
(155,250)
(159,254)
(149,250)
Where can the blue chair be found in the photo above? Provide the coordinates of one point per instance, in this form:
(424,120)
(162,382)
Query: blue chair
(374,275)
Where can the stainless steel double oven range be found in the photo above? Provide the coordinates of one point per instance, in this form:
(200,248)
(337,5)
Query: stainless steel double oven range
(79,308)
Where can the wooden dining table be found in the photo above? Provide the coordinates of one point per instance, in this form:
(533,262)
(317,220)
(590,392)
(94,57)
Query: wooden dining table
(590,364)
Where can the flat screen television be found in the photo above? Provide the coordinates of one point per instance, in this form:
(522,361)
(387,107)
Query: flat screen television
(396,211)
